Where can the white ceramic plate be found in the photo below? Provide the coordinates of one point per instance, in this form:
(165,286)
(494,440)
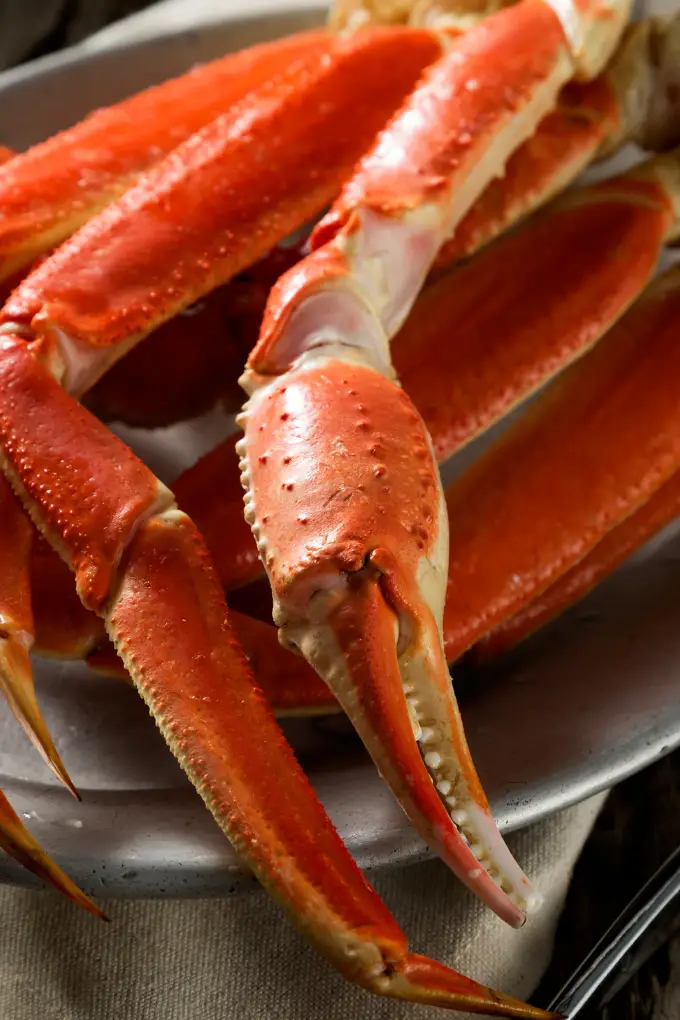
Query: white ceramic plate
(590,701)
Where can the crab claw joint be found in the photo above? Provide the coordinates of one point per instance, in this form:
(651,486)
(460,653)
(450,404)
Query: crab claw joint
(345,502)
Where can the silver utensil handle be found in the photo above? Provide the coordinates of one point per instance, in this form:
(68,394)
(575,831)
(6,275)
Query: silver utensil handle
(644,925)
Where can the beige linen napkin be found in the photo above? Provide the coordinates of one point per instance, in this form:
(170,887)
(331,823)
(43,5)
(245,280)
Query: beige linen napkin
(240,958)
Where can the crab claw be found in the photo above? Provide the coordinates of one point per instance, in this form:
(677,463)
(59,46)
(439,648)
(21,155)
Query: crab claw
(357,563)
(16,840)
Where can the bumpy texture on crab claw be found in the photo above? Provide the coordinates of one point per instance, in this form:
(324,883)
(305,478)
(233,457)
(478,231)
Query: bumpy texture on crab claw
(652,323)
(143,566)
(16,629)
(49,191)
(17,841)
(356,567)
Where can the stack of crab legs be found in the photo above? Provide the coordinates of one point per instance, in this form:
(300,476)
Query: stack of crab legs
(151,223)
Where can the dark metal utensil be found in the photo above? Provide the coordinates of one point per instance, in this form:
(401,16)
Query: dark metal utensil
(648,921)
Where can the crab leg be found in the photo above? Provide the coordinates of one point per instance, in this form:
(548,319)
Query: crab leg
(501,334)
(592,451)
(635,99)
(501,350)
(48,192)
(289,684)
(590,120)
(16,629)
(65,629)
(654,321)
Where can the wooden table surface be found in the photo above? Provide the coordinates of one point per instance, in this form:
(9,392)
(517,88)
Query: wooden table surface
(640,824)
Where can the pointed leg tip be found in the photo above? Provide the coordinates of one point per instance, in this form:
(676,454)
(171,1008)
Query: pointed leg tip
(420,979)
(96,911)
(57,766)
(16,683)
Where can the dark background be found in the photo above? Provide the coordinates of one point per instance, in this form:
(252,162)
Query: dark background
(31,28)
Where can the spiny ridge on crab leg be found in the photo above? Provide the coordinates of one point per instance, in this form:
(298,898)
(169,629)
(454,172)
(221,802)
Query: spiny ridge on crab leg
(16,629)
(647,334)
(49,191)
(143,566)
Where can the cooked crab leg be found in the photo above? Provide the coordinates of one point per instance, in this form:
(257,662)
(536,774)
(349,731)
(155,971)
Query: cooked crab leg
(501,334)
(598,221)
(591,452)
(49,191)
(356,560)
(290,685)
(563,273)
(634,99)
(648,332)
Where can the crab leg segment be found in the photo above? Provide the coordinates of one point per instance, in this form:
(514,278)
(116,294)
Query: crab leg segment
(592,451)
(143,566)
(17,841)
(16,629)
(219,202)
(64,628)
(52,189)
(497,335)
(438,155)
(655,320)
(635,99)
